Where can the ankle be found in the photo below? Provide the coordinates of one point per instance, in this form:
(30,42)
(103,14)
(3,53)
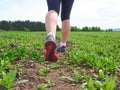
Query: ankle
(62,44)
(51,34)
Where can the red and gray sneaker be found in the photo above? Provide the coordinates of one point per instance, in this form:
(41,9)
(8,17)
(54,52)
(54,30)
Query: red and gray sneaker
(50,47)
(61,49)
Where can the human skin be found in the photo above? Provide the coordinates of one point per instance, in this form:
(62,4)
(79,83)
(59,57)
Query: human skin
(51,24)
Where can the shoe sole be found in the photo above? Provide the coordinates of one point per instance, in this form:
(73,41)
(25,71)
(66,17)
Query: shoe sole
(50,55)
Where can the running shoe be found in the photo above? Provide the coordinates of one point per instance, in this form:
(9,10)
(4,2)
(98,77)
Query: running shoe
(61,49)
(50,47)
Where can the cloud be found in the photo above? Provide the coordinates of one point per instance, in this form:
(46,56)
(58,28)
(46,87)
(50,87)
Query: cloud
(23,10)
(103,13)
(109,12)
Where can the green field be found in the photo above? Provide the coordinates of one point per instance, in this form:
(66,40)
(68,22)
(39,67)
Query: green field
(92,62)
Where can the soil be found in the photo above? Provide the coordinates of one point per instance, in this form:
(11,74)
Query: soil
(31,73)
(2,88)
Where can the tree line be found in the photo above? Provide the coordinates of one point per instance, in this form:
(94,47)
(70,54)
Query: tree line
(22,25)
(38,26)
(90,29)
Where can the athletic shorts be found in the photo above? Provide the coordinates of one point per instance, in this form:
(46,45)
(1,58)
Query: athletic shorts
(66,6)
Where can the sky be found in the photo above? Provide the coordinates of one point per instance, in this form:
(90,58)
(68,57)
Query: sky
(102,13)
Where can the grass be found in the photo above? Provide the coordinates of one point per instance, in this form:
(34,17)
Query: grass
(98,51)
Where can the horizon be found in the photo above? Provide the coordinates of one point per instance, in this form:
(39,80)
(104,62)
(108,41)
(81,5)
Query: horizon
(114,29)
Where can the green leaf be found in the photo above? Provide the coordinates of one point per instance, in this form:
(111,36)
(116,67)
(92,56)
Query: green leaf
(101,74)
(91,84)
(110,85)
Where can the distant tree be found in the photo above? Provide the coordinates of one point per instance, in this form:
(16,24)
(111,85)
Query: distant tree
(109,30)
(91,28)
(21,25)
(96,29)
(5,25)
(85,28)
(74,28)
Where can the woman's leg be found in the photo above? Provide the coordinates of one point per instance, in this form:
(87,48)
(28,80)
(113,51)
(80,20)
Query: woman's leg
(65,17)
(52,16)
(51,23)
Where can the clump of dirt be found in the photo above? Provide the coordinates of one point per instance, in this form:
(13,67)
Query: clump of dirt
(61,84)
(31,73)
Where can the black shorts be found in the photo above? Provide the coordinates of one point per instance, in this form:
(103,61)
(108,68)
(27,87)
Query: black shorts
(65,7)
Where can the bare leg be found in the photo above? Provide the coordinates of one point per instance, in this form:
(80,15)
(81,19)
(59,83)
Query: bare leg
(51,21)
(50,45)
(65,30)
(65,34)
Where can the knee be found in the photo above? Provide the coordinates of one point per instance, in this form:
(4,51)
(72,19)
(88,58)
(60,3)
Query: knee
(52,12)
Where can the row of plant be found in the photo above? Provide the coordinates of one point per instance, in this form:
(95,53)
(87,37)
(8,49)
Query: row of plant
(15,46)
(98,51)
